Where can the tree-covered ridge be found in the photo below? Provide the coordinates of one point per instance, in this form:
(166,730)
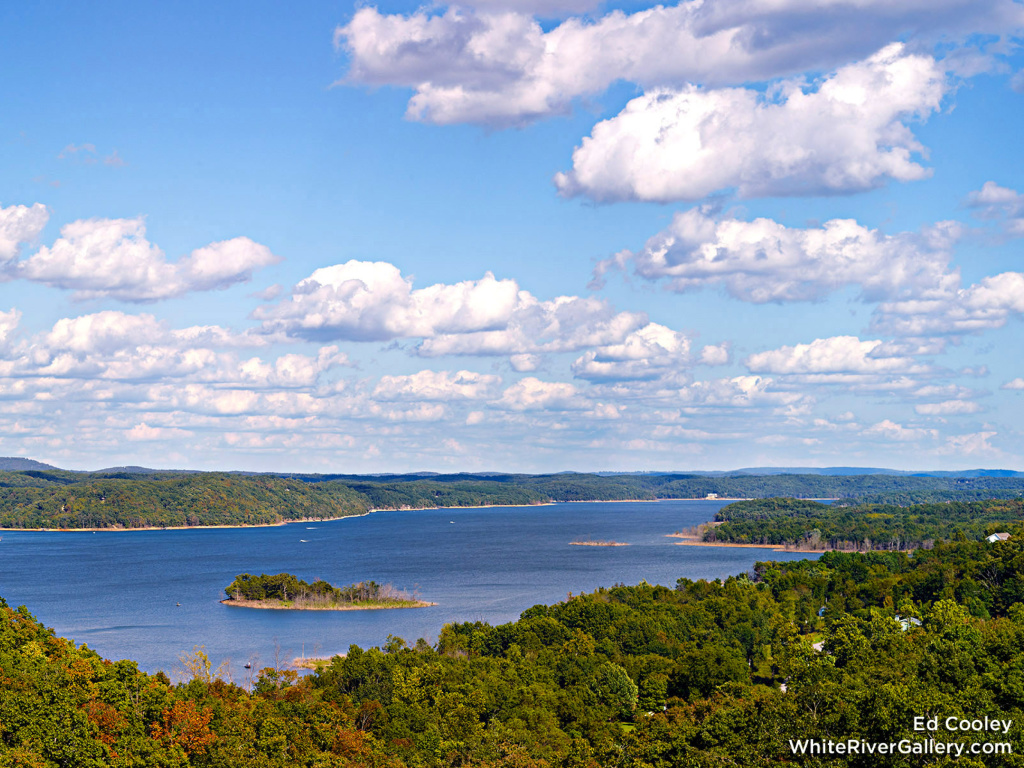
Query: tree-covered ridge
(181,500)
(804,523)
(286,588)
(123,499)
(705,674)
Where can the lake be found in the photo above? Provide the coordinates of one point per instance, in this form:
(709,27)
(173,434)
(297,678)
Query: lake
(118,592)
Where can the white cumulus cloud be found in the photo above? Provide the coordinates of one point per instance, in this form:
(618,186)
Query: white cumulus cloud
(736,392)
(373,301)
(142,431)
(715,354)
(291,370)
(117,346)
(19,224)
(762,260)
(890,430)
(987,304)
(948,408)
(849,134)
(995,202)
(532,394)
(646,353)
(437,385)
(8,325)
(112,258)
(834,355)
(973,444)
(501,67)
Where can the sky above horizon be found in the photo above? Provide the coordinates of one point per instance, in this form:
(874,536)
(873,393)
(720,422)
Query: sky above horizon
(515,235)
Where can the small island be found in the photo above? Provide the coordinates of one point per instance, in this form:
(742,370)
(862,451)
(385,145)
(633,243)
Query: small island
(283,591)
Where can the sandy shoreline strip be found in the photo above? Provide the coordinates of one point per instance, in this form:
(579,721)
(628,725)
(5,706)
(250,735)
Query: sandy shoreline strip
(277,606)
(598,543)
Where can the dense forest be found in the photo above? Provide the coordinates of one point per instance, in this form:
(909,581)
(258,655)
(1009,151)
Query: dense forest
(802,523)
(703,674)
(126,499)
(288,589)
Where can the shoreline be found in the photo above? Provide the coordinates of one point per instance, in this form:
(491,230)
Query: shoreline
(771,547)
(122,529)
(649,501)
(478,506)
(693,541)
(313,663)
(278,606)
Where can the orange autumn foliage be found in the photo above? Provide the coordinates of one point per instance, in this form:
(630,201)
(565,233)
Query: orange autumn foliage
(186,726)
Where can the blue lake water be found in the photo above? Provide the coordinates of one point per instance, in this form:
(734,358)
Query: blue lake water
(117,592)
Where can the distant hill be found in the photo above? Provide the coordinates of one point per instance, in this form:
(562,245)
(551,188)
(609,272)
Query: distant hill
(18,464)
(134,470)
(829,471)
(844,471)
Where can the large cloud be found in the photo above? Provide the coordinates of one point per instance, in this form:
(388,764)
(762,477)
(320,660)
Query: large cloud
(987,304)
(562,324)
(948,408)
(995,202)
(19,224)
(763,260)
(111,258)
(115,346)
(891,431)
(372,301)
(835,355)
(736,392)
(646,353)
(848,135)
(503,68)
(8,325)
(437,385)
(532,394)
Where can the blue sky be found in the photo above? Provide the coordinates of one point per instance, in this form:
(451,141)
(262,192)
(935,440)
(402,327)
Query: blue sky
(521,235)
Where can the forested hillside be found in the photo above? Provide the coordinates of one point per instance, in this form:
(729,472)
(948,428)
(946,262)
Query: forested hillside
(705,674)
(54,500)
(194,499)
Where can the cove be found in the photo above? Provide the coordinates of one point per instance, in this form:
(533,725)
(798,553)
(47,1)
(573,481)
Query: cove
(118,591)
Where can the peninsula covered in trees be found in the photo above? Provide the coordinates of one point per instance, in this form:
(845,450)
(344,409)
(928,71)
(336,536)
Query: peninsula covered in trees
(139,498)
(805,524)
(283,590)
